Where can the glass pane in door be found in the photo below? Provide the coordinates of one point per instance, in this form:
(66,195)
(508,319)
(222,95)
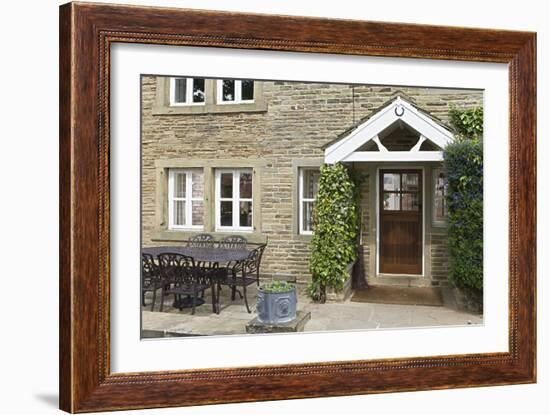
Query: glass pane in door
(409,201)
(411,182)
(392,181)
(391,201)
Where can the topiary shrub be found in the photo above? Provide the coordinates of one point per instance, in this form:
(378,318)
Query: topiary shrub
(335,229)
(463,165)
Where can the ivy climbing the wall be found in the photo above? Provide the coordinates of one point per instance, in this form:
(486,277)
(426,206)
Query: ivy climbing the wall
(335,230)
(468,123)
(463,164)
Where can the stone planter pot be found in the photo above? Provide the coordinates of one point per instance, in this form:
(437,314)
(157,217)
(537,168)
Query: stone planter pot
(276,308)
(333,296)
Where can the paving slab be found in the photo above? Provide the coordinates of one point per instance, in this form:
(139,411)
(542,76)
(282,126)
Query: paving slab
(346,315)
(255,326)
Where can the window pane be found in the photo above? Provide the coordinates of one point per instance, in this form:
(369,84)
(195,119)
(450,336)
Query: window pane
(439,208)
(311,183)
(226,180)
(197,211)
(226,213)
(439,196)
(247,90)
(411,181)
(197,180)
(245,214)
(307,223)
(409,201)
(179,185)
(391,201)
(245,186)
(179,212)
(228,90)
(180,90)
(391,181)
(198,90)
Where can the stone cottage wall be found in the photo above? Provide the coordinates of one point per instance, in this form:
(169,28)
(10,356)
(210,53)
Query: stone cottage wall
(440,259)
(300,118)
(365,215)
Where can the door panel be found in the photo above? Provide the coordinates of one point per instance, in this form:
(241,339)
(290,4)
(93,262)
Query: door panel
(400,221)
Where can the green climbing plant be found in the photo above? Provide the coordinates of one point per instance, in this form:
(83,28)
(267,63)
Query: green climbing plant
(468,122)
(335,229)
(463,164)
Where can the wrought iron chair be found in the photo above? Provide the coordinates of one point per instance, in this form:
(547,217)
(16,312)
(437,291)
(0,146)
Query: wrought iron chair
(260,250)
(181,276)
(243,274)
(233,242)
(151,279)
(202,240)
(254,268)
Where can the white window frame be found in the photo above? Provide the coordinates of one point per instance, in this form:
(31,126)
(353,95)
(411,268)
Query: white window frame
(188,199)
(435,221)
(238,92)
(302,199)
(235,199)
(188,93)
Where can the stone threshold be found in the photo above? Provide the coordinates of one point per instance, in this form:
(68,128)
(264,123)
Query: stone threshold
(400,280)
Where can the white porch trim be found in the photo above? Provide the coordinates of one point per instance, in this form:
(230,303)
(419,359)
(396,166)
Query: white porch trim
(396,156)
(399,109)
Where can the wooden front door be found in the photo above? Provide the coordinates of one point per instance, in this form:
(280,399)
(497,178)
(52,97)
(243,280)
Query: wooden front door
(400,221)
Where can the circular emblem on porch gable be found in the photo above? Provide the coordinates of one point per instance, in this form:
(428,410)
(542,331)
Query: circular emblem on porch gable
(399,110)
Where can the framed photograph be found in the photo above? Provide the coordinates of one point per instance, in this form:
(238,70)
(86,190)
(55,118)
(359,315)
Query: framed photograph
(259,207)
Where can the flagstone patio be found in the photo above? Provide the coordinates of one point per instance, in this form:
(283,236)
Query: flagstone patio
(345,315)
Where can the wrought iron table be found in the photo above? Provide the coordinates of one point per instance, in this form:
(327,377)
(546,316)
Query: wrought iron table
(202,254)
(214,254)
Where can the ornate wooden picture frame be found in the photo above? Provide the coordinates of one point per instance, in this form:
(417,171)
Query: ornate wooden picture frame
(87,32)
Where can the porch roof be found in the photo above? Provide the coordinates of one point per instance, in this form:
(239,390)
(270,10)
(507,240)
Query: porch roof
(347,146)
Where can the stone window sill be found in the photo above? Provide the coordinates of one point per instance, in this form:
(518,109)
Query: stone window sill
(303,237)
(164,235)
(259,105)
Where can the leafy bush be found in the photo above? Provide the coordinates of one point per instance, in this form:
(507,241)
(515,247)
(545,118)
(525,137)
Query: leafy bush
(463,164)
(335,229)
(277,287)
(468,123)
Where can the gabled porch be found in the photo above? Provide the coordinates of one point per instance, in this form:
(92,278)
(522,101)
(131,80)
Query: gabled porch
(399,148)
